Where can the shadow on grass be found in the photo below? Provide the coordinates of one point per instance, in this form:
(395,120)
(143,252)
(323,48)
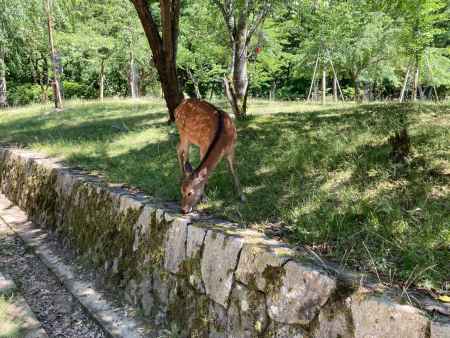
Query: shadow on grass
(325,175)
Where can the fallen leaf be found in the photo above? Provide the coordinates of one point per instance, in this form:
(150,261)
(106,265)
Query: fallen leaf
(445,299)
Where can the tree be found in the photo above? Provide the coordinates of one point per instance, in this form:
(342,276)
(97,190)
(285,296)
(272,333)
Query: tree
(202,56)
(421,19)
(354,35)
(11,18)
(54,57)
(242,19)
(163,46)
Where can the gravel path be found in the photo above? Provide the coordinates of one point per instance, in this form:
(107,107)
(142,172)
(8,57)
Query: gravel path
(59,312)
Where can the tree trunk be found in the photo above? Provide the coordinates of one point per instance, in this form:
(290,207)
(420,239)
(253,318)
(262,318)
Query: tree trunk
(402,93)
(133,78)
(3,97)
(313,79)
(335,89)
(272,92)
(240,75)
(324,86)
(44,79)
(194,81)
(415,84)
(102,80)
(231,95)
(356,87)
(401,145)
(164,47)
(55,83)
(211,92)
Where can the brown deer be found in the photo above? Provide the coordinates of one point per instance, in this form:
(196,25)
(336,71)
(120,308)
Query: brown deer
(213,131)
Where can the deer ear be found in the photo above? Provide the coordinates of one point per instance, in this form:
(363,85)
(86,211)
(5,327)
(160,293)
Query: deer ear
(203,173)
(188,168)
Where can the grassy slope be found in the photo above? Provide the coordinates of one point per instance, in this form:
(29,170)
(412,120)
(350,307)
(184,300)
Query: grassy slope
(323,173)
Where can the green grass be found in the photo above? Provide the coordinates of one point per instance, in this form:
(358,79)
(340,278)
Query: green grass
(322,174)
(10,327)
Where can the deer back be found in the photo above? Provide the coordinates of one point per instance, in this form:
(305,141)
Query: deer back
(208,127)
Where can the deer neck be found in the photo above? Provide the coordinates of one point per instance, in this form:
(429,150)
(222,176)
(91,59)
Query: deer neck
(214,153)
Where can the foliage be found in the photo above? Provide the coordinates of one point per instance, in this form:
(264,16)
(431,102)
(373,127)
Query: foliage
(75,90)
(370,43)
(26,94)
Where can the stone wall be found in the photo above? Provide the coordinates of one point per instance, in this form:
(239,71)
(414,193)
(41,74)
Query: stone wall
(203,278)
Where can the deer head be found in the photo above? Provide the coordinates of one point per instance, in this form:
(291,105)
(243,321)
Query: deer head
(192,187)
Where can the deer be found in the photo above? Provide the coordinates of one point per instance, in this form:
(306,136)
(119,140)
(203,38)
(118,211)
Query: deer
(213,131)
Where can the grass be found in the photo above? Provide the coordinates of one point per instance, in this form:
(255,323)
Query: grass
(321,174)
(10,327)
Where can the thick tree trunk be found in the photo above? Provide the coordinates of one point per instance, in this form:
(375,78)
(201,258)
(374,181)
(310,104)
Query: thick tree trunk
(3,97)
(55,83)
(240,29)
(102,80)
(164,47)
(240,74)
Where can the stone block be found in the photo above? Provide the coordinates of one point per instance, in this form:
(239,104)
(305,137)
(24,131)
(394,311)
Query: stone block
(218,264)
(247,315)
(175,246)
(278,330)
(254,261)
(334,322)
(440,329)
(376,316)
(297,293)
(195,239)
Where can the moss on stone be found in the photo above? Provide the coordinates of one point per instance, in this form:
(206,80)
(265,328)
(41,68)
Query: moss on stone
(189,310)
(273,276)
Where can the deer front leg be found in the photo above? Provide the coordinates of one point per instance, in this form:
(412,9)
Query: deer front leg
(203,151)
(183,154)
(231,166)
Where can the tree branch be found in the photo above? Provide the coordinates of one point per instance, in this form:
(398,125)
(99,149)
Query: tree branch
(259,19)
(150,28)
(227,12)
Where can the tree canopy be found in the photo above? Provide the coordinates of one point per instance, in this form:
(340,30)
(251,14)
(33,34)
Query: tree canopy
(372,46)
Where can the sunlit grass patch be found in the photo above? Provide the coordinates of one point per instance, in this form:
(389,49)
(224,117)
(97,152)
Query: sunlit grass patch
(10,326)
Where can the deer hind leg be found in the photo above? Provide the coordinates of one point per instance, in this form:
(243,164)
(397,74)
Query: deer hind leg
(183,154)
(231,166)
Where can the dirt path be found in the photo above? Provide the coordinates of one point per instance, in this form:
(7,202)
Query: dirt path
(60,314)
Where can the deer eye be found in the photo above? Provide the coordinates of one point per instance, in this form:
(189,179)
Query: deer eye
(189,193)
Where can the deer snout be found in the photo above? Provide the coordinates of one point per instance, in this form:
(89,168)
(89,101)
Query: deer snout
(186,210)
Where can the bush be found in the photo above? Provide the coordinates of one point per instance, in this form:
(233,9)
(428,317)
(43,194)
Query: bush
(349,93)
(26,94)
(75,90)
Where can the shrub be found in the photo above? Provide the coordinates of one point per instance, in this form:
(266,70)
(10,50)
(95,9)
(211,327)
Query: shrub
(75,90)
(26,94)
